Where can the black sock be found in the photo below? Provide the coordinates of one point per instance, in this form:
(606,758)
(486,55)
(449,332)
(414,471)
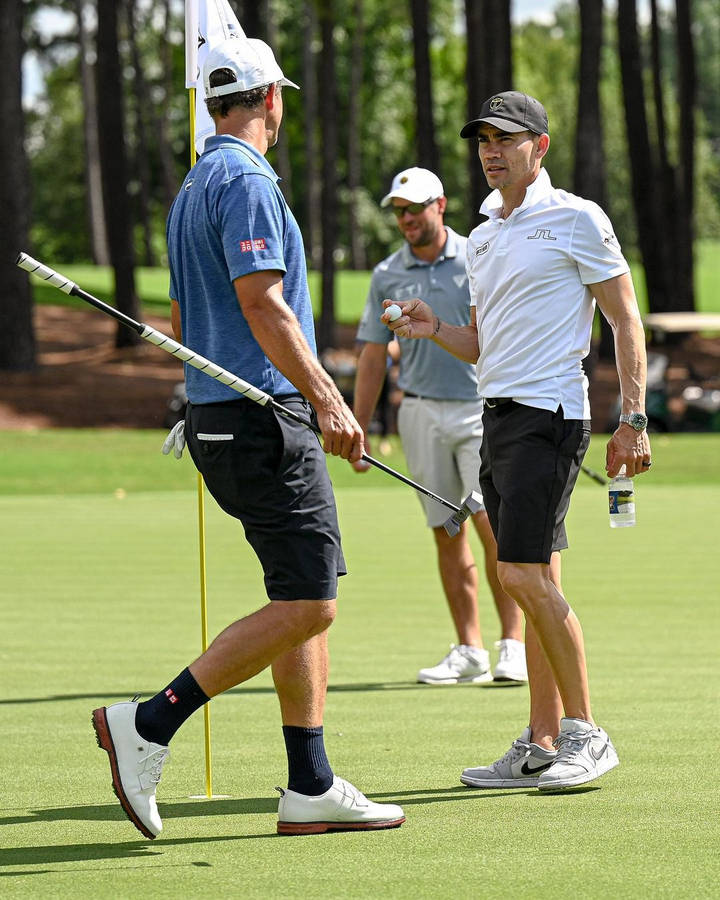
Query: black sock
(309,771)
(158,718)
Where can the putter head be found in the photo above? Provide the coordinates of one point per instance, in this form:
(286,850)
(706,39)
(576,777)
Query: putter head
(470,505)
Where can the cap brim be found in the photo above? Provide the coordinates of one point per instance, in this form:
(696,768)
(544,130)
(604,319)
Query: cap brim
(399,195)
(285,82)
(471,129)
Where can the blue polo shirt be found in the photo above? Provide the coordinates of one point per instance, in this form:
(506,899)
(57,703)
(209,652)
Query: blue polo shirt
(230,219)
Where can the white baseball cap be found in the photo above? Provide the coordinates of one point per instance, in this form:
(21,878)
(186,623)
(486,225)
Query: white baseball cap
(249,59)
(414,185)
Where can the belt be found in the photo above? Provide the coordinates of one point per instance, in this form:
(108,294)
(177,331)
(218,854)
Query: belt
(492,402)
(417,396)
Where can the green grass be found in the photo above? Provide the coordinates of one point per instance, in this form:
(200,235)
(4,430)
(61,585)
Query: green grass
(351,287)
(100,599)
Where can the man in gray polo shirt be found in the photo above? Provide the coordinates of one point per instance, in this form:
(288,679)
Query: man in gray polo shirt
(439,419)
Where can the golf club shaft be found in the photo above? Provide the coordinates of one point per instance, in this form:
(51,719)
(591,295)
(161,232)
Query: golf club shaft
(594,475)
(199,362)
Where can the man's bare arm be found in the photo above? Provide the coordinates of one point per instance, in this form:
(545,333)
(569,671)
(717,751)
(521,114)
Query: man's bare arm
(419,321)
(277,330)
(617,301)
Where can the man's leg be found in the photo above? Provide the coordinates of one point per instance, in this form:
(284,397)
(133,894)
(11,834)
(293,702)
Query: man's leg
(508,611)
(251,644)
(546,708)
(556,628)
(459,577)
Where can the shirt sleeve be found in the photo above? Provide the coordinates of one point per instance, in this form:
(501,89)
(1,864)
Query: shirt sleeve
(252,221)
(595,248)
(472,284)
(371,328)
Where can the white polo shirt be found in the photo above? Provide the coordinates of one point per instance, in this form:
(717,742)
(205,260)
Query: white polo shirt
(528,277)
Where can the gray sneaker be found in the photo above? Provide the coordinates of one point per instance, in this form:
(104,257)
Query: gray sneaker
(519,768)
(584,753)
(462,665)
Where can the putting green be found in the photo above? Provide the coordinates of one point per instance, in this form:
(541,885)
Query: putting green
(100,600)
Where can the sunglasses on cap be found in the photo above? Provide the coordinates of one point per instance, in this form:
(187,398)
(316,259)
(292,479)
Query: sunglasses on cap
(412,208)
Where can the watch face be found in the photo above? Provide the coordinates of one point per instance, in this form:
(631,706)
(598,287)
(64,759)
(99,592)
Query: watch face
(637,420)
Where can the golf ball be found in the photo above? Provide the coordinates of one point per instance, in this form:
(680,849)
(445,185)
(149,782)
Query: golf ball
(394,312)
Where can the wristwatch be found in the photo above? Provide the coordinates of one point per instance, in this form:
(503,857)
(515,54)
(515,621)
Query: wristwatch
(636,420)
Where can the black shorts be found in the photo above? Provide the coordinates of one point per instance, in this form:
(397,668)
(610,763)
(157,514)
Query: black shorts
(270,473)
(529,462)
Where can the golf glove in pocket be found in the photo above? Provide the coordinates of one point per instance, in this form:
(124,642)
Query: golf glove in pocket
(175,441)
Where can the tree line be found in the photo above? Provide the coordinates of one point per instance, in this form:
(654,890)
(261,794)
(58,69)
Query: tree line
(93,163)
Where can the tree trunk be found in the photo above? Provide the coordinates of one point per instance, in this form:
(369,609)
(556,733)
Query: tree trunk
(281,150)
(93,180)
(427,151)
(17,340)
(311,231)
(589,178)
(358,257)
(142,149)
(488,70)
(251,18)
(687,100)
(328,86)
(168,177)
(113,161)
(643,170)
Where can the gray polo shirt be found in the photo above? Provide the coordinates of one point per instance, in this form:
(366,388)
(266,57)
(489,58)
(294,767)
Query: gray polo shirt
(425,368)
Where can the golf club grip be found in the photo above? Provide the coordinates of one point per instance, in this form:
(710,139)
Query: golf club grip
(24,261)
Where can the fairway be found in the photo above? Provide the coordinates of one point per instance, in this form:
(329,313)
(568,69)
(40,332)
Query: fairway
(101,601)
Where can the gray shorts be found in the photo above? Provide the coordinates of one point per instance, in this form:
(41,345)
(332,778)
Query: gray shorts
(441,440)
(270,473)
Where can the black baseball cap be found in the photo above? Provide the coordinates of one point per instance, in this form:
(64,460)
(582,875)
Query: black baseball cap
(510,111)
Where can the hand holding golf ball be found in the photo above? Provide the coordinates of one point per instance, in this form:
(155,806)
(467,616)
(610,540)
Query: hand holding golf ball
(393,312)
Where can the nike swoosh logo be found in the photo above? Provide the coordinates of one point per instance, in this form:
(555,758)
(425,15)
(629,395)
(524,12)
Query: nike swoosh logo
(526,770)
(597,756)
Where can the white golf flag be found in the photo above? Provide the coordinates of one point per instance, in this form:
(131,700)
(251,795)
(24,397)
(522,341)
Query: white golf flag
(207,23)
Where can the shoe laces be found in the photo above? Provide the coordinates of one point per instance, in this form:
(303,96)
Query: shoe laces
(157,760)
(569,744)
(518,749)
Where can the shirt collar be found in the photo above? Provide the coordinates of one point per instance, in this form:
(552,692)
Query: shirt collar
(534,193)
(449,251)
(224,140)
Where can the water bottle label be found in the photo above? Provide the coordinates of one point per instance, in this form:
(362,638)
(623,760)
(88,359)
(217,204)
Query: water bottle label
(621,502)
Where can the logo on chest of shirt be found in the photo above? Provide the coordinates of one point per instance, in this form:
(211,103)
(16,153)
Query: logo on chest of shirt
(483,248)
(249,246)
(541,234)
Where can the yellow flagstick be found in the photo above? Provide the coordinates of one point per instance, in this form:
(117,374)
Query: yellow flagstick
(201,530)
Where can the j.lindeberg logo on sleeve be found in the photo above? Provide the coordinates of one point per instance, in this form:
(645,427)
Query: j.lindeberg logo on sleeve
(483,248)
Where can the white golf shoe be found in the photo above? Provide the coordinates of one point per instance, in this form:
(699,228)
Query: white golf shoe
(463,665)
(135,764)
(511,664)
(584,753)
(520,767)
(341,808)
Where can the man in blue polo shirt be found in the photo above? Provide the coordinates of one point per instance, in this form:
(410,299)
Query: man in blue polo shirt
(440,420)
(240,298)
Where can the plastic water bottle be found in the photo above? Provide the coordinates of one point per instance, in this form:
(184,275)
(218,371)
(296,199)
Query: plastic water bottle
(621,495)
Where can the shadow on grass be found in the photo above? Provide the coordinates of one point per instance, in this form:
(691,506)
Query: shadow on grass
(360,687)
(135,850)
(107,812)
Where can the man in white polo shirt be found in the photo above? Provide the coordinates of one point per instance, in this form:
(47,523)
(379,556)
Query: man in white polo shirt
(536,268)
(439,421)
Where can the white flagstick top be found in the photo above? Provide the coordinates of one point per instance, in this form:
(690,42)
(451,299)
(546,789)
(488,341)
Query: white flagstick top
(212,21)
(191,43)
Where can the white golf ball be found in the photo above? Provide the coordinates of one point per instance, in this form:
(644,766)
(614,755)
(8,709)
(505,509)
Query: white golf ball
(394,312)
